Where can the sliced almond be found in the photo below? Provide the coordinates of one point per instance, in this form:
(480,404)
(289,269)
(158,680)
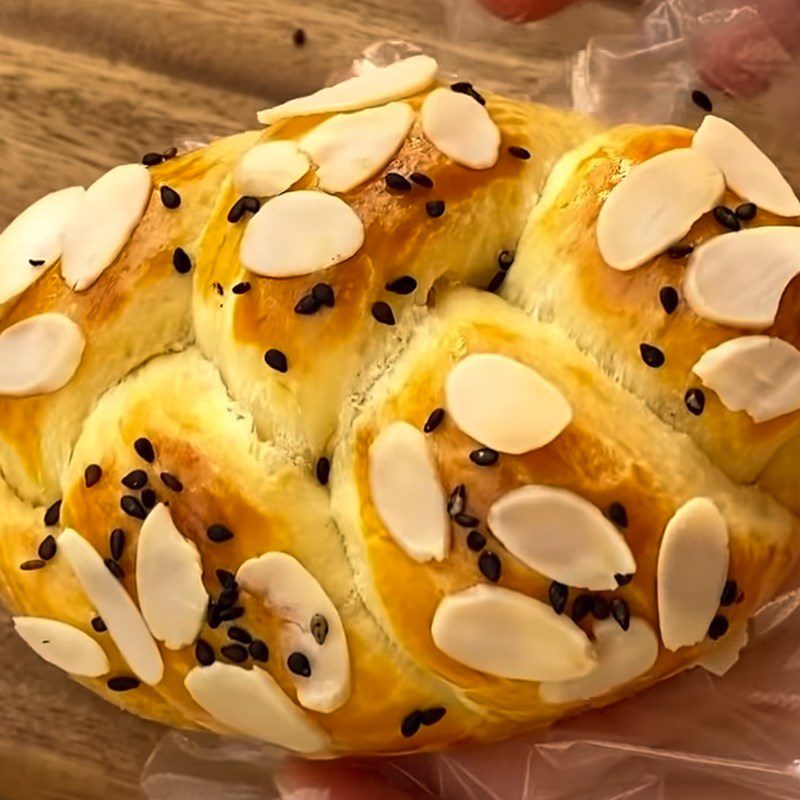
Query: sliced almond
(562,536)
(655,205)
(724,654)
(350,148)
(294,595)
(270,168)
(691,573)
(505,404)
(756,374)
(375,86)
(511,635)
(460,128)
(39,355)
(738,279)
(33,242)
(123,620)
(299,233)
(103,222)
(62,645)
(401,467)
(622,656)
(250,702)
(747,169)
(169,581)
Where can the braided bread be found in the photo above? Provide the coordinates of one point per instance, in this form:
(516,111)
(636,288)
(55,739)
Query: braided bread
(419,417)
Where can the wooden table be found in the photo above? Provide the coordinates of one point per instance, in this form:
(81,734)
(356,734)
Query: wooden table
(85,84)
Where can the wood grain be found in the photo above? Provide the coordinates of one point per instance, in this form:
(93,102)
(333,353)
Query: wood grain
(86,84)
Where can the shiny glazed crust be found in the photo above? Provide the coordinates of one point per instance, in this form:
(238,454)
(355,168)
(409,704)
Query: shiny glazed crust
(179,359)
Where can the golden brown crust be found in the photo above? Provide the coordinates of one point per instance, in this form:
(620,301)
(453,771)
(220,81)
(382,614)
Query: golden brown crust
(560,275)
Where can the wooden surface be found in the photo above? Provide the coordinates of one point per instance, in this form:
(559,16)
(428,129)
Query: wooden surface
(85,84)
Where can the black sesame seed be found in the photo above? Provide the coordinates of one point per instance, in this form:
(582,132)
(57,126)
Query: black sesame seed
(238,634)
(251,204)
(170,152)
(276,359)
(149,499)
(623,580)
(727,218)
(144,449)
(259,651)
(484,456)
(114,568)
(36,262)
(651,355)
(47,548)
(558,594)
(116,543)
(600,609)
(171,482)
(299,665)
(695,400)
(746,211)
(243,287)
(505,260)
(490,566)
(582,606)
(323,294)
(98,625)
(319,628)
(227,598)
(729,593)
(702,100)
(621,612)
(434,420)
(430,716)
(217,287)
(323,470)
(122,684)
(618,514)
(227,580)
(462,87)
(476,541)
(237,210)
(411,724)
(218,533)
(204,653)
(434,208)
(405,284)
(30,566)
(181,261)
(669,298)
(496,282)
(465,520)
(680,250)
(169,197)
(421,179)
(383,313)
(53,514)
(234,652)
(457,501)
(718,627)
(397,182)
(132,507)
(212,615)
(231,614)
(519,152)
(135,480)
(151,159)
(299,37)
(307,305)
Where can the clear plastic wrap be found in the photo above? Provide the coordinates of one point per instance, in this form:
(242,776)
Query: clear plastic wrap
(696,736)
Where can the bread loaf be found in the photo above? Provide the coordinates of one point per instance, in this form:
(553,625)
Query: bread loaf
(419,417)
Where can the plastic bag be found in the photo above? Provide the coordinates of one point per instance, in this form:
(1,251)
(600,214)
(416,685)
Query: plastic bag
(695,736)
